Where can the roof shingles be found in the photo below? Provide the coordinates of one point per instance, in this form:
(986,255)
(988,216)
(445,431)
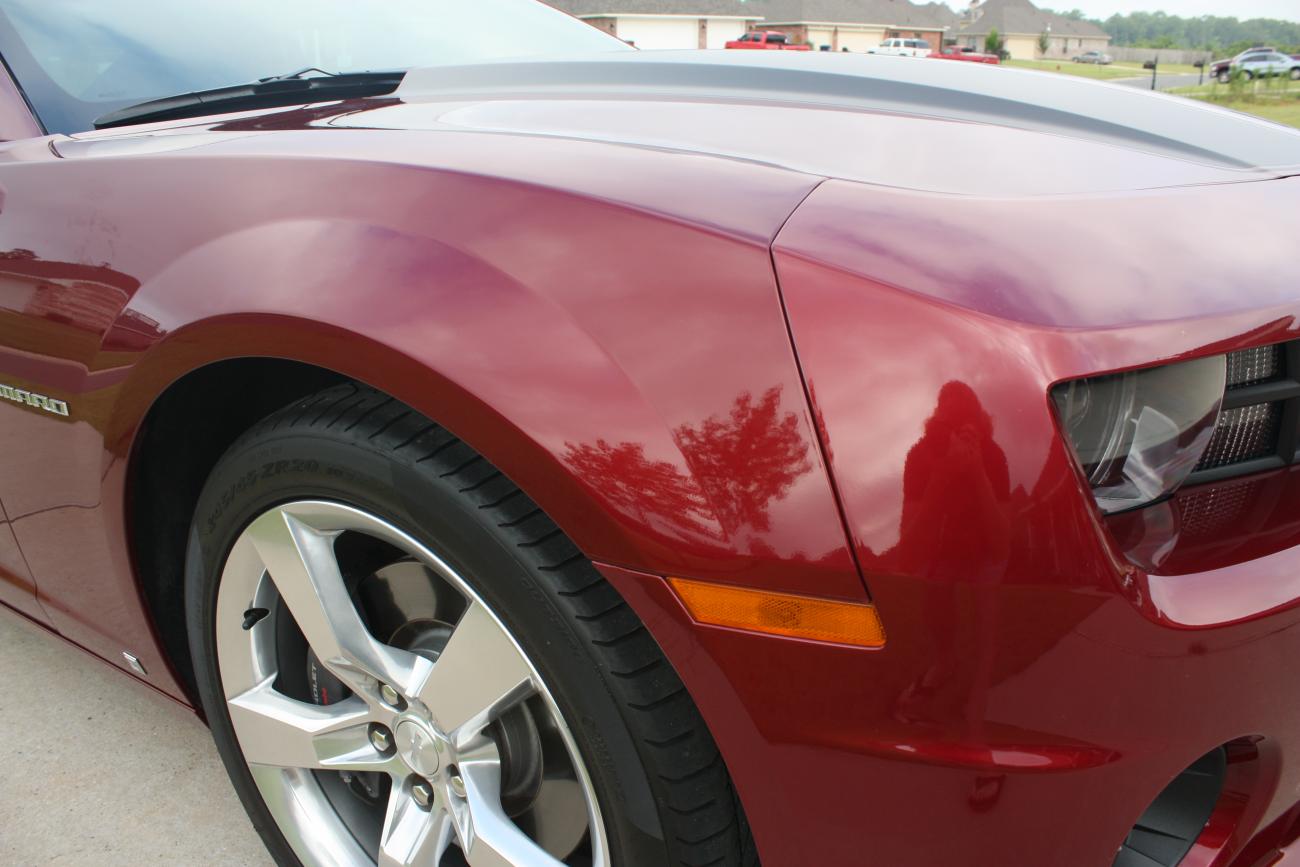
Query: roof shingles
(655,7)
(1023,17)
(899,13)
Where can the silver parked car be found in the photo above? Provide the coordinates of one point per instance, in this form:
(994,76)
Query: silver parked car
(1263,64)
(1099,57)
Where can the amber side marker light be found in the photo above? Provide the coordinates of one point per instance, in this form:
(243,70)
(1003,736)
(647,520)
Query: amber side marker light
(786,614)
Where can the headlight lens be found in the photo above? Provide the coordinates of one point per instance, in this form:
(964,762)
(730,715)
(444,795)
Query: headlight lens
(1139,435)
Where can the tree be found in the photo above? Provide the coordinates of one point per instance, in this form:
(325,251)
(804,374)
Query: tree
(1044,41)
(736,467)
(1222,35)
(993,42)
(748,460)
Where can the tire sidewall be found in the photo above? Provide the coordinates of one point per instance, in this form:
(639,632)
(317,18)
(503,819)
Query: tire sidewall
(267,471)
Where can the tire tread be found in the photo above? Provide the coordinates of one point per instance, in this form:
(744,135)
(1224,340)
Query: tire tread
(701,813)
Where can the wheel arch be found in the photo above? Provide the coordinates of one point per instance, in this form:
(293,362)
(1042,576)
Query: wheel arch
(184,434)
(573,383)
(181,409)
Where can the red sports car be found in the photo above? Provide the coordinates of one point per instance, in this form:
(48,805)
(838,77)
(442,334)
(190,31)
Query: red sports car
(682,458)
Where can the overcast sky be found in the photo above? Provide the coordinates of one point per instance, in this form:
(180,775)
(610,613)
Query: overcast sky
(1288,10)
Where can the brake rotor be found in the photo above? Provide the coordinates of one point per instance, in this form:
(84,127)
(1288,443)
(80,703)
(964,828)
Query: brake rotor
(404,609)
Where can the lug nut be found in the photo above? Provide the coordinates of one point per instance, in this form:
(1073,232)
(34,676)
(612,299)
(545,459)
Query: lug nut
(381,739)
(422,794)
(390,696)
(457,785)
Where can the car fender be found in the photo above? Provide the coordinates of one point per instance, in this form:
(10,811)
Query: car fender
(536,320)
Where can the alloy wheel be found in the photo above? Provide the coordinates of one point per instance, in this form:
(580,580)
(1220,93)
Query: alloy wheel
(417,733)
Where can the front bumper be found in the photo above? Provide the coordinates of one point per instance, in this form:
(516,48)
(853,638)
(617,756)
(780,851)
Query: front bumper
(1042,682)
(1000,725)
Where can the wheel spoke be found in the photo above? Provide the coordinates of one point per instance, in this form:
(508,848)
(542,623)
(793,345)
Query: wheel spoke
(480,673)
(274,729)
(285,563)
(300,560)
(488,837)
(413,836)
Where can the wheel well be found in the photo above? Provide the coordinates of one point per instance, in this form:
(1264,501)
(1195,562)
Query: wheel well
(187,430)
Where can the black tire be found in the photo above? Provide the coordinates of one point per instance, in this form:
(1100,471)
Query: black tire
(665,794)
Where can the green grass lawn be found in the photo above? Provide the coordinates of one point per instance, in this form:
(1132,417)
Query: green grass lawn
(1287,113)
(1260,88)
(1135,68)
(1083,70)
(1278,99)
(1119,69)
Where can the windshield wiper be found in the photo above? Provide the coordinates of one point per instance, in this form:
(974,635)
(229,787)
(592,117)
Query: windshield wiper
(294,88)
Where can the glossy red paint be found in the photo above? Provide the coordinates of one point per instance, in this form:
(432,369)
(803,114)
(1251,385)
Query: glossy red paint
(16,587)
(597,311)
(1026,630)
(568,384)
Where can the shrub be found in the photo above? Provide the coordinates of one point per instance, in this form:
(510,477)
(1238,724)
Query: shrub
(993,43)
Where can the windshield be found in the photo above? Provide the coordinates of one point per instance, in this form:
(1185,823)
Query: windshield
(79,59)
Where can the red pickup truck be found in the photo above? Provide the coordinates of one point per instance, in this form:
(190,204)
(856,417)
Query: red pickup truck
(766,40)
(970,55)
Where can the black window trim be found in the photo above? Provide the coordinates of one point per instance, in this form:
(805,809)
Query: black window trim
(18,86)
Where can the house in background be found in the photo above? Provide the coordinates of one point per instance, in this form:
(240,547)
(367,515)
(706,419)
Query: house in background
(850,25)
(1023,25)
(659,24)
(855,25)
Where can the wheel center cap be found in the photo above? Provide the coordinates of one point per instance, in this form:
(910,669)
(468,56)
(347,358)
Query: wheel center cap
(418,746)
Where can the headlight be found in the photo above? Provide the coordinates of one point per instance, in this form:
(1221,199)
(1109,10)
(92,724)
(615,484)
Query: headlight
(1139,435)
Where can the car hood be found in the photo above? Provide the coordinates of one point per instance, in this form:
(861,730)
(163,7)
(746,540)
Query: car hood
(893,121)
(923,160)
(966,129)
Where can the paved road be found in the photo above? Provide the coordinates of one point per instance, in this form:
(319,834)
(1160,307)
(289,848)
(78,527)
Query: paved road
(100,771)
(1163,82)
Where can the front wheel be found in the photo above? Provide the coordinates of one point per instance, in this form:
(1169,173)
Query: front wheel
(1225,78)
(404,662)
(1295,74)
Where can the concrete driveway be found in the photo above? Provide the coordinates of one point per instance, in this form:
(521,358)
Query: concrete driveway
(98,770)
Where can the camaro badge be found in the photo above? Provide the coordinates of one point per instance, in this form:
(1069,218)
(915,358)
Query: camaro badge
(40,401)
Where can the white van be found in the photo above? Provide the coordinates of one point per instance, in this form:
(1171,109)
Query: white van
(903,48)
